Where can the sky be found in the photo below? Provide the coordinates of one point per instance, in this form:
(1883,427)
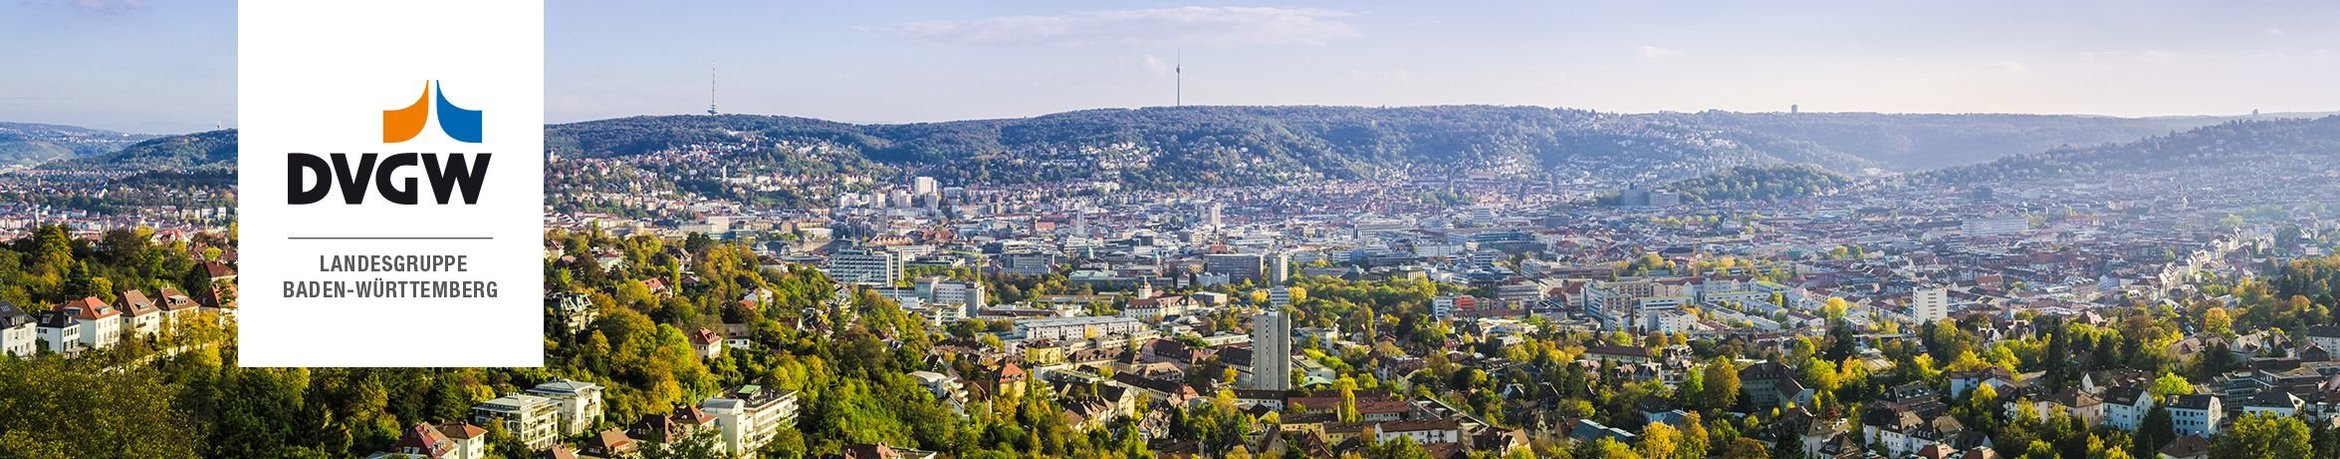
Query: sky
(168,65)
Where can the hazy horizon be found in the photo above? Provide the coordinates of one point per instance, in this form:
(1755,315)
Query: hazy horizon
(154,67)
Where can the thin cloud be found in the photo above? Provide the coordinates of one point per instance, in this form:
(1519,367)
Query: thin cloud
(1193,25)
(101,6)
(1655,52)
(2140,57)
(2010,67)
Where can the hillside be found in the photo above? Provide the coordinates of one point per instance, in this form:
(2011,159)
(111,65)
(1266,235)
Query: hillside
(1913,142)
(2268,145)
(24,144)
(1760,183)
(203,150)
(1177,147)
(1185,147)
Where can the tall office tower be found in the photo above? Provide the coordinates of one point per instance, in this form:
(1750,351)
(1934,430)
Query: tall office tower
(1930,303)
(1279,267)
(1237,266)
(924,186)
(1271,351)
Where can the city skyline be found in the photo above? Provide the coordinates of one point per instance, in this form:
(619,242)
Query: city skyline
(168,67)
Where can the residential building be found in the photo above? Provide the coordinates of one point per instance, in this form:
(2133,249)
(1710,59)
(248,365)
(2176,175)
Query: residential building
(580,403)
(18,334)
(1930,304)
(175,306)
(1772,385)
(101,324)
(60,331)
(1445,305)
(865,267)
(1422,432)
(706,342)
(2196,414)
(534,420)
(612,443)
(140,314)
(750,415)
(424,441)
(2125,407)
(1995,226)
(1238,267)
(937,290)
(1271,351)
(1279,267)
(1061,328)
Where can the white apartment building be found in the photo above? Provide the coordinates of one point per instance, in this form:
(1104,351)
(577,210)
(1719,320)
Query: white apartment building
(534,420)
(1063,328)
(1930,303)
(101,324)
(18,334)
(580,403)
(2196,415)
(750,415)
(865,267)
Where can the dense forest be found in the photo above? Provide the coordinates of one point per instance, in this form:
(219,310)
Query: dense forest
(204,150)
(1185,147)
(848,358)
(1911,142)
(1175,147)
(24,144)
(2265,146)
(1760,183)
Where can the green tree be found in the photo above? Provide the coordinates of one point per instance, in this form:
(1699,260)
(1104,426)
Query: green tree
(2171,384)
(1721,380)
(2263,435)
(51,407)
(1747,448)
(1661,441)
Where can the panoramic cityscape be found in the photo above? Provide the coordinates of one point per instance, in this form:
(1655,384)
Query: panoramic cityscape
(1502,278)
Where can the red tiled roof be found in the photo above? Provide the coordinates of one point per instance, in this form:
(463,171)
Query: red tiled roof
(90,308)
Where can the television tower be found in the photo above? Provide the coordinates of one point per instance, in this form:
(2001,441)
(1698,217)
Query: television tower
(711,90)
(1178,79)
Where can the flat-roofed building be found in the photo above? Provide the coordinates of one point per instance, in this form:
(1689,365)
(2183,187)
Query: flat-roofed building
(534,420)
(750,415)
(580,403)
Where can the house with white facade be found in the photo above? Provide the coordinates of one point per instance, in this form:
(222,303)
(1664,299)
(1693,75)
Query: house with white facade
(2196,415)
(580,403)
(2125,407)
(750,416)
(101,324)
(18,334)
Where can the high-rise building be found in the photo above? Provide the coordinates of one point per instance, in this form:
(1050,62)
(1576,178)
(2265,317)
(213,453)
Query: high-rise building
(924,186)
(1214,214)
(866,267)
(1279,267)
(1930,303)
(1237,267)
(1271,351)
(1279,297)
(938,290)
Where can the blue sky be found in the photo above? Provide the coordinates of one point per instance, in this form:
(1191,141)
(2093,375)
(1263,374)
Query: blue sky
(168,66)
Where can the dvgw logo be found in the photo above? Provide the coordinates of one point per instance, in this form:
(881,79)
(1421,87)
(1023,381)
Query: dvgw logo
(447,172)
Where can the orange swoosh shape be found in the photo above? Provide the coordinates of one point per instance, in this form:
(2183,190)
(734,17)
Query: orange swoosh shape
(404,124)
